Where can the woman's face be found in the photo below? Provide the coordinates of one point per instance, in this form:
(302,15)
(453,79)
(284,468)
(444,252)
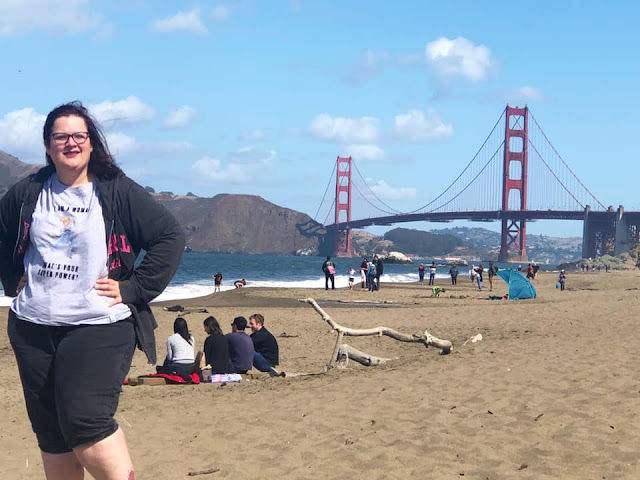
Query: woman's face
(70,158)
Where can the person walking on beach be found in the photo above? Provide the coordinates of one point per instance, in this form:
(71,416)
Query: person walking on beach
(70,236)
(472,274)
(492,272)
(432,273)
(562,278)
(329,270)
(379,269)
(453,271)
(371,277)
(421,273)
(216,347)
(479,272)
(240,346)
(266,351)
(352,277)
(364,266)
(217,280)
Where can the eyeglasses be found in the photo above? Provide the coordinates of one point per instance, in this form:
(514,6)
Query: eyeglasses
(62,138)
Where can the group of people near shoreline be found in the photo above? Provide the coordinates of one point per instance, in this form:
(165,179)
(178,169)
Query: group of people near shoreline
(217,282)
(235,352)
(370,273)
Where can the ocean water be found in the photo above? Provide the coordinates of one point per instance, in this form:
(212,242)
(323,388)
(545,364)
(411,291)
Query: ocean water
(194,275)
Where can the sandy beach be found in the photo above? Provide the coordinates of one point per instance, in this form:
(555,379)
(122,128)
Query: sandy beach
(551,391)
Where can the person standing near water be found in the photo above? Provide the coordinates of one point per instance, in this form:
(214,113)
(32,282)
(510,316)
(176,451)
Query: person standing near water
(70,235)
(217,280)
(453,271)
(329,270)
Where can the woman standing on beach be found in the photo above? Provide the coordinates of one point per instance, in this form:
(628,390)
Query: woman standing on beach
(69,238)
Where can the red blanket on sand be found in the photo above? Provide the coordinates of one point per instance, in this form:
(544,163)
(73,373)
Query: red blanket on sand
(195,378)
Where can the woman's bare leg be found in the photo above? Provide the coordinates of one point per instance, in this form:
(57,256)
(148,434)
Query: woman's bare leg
(107,459)
(62,466)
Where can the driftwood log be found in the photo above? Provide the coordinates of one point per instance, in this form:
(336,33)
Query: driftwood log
(341,351)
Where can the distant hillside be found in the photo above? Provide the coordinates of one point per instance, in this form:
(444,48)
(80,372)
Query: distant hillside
(12,170)
(230,223)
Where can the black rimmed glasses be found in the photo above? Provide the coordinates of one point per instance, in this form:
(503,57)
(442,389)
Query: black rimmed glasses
(63,138)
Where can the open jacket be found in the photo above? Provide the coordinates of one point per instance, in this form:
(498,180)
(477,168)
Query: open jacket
(133,221)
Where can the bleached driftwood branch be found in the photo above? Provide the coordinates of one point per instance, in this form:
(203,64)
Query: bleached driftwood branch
(426,338)
(346,352)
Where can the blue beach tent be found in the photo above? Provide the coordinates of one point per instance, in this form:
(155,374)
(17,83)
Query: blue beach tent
(519,286)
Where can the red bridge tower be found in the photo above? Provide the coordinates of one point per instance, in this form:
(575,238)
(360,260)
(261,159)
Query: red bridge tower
(343,206)
(516,155)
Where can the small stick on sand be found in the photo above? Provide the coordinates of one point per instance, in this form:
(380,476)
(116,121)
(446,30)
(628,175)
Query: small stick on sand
(203,472)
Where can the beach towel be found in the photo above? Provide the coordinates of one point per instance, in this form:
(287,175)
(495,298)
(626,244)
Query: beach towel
(175,379)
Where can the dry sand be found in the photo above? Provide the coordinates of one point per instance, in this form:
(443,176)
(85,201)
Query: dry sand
(552,391)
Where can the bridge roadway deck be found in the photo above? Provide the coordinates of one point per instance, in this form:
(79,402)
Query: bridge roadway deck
(483,216)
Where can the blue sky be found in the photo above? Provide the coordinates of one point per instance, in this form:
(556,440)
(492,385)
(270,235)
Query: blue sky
(260,97)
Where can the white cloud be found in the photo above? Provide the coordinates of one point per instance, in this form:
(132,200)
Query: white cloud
(414,126)
(361,152)
(181,117)
(523,95)
(386,192)
(129,110)
(345,130)
(121,144)
(251,136)
(189,22)
(458,58)
(245,166)
(219,12)
(61,16)
(21,134)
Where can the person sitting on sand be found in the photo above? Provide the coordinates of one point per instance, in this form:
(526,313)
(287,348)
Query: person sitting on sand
(266,351)
(240,283)
(436,291)
(240,346)
(216,347)
(217,280)
(180,352)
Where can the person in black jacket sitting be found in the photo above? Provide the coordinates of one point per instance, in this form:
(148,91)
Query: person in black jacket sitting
(265,345)
(216,347)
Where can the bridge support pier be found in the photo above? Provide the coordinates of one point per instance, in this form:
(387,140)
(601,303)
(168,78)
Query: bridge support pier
(599,233)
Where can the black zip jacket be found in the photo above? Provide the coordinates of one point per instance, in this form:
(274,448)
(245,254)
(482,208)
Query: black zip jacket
(133,221)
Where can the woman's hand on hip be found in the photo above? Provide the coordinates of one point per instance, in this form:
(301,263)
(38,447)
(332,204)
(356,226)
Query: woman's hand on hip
(107,287)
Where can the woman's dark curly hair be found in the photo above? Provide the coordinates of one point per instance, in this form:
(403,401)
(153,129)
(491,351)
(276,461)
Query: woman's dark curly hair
(101,162)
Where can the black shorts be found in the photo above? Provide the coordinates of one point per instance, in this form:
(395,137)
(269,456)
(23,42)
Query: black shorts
(71,378)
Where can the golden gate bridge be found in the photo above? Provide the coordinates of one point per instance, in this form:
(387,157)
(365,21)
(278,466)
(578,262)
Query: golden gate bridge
(516,176)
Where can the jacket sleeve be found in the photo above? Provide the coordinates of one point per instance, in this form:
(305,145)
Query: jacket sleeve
(156,231)
(9,219)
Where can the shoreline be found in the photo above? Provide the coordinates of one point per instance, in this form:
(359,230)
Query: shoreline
(539,396)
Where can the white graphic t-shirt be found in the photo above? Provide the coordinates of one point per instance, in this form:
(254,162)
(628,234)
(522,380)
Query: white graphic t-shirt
(67,253)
